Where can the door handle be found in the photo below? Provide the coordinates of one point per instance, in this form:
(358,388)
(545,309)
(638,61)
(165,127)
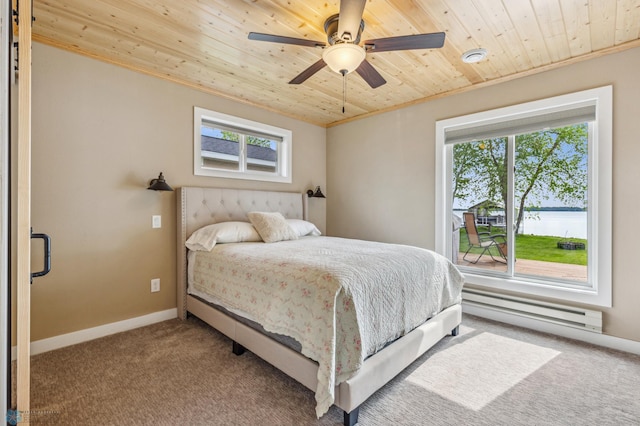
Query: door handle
(47,255)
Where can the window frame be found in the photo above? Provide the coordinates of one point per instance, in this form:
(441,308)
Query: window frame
(283,173)
(598,290)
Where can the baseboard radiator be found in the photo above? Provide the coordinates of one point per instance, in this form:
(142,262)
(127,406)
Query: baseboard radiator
(585,319)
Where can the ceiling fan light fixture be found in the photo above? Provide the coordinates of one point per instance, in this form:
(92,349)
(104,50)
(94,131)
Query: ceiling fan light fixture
(344,56)
(474,55)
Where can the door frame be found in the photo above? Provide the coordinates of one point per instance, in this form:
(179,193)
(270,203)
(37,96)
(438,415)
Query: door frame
(5,140)
(23,214)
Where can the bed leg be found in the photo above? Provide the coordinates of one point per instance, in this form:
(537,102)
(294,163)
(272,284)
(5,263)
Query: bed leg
(238,349)
(455,331)
(350,419)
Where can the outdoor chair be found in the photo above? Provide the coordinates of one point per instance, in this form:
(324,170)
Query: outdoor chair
(484,241)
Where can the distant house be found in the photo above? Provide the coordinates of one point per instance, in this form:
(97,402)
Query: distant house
(484,207)
(222,153)
(483,210)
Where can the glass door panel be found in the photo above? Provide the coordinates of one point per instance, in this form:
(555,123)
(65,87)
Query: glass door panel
(479,200)
(550,194)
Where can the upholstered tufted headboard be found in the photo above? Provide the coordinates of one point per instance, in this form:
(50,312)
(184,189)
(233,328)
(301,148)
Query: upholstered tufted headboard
(198,207)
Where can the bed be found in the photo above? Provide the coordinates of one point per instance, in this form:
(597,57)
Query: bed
(346,388)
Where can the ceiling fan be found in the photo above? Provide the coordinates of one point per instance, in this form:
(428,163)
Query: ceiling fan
(344,53)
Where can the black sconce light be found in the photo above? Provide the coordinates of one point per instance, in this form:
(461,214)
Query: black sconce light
(317,194)
(159,184)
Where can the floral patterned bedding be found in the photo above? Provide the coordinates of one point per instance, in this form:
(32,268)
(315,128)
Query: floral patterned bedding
(342,299)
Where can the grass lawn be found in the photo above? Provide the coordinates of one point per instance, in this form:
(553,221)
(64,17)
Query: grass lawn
(537,247)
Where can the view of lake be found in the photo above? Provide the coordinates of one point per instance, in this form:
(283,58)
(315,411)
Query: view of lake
(572,224)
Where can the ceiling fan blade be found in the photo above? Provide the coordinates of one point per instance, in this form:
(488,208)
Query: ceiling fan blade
(418,41)
(304,75)
(370,74)
(350,17)
(285,40)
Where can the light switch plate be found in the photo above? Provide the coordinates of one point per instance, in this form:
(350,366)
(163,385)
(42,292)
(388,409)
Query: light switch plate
(156,221)
(155,285)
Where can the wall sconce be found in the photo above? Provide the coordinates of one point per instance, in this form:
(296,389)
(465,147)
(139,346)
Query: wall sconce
(159,184)
(317,194)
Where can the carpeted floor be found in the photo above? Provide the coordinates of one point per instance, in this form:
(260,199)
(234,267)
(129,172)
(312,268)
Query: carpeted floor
(179,372)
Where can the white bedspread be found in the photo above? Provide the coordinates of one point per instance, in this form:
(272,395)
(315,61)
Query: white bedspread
(342,299)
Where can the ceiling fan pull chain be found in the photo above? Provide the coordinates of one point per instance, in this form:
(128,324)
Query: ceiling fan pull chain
(344,89)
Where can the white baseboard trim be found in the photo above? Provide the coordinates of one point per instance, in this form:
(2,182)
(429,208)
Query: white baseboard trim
(612,342)
(57,342)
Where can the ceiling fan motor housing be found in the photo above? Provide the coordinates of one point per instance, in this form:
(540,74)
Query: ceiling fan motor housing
(331,28)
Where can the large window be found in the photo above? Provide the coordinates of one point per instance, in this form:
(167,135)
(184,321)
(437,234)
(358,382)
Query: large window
(232,147)
(524,196)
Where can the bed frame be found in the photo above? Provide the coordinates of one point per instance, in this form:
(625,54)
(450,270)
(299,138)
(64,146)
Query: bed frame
(198,207)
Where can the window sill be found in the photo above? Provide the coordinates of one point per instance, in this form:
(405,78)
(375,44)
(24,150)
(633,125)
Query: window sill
(243,175)
(565,292)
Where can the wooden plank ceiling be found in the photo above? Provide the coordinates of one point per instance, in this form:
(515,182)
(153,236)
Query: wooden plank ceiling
(203,44)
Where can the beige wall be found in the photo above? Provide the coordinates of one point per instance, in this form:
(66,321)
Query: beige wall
(381,170)
(100,133)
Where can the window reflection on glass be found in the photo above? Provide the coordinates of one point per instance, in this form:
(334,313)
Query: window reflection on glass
(220,149)
(262,154)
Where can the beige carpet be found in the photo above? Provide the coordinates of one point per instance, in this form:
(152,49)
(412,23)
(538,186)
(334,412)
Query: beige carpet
(184,373)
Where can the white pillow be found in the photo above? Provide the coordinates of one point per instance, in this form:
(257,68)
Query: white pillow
(272,227)
(205,238)
(303,228)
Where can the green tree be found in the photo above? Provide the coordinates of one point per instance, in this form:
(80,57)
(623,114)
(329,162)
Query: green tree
(548,163)
(251,140)
(465,169)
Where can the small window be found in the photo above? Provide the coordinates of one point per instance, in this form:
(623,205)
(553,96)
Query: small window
(233,147)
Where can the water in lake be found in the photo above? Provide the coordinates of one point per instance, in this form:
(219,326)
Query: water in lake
(570,224)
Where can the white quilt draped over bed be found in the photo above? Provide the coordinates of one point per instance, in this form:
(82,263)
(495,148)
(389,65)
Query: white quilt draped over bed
(341,299)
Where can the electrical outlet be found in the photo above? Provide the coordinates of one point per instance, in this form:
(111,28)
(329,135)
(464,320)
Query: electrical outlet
(155,285)
(156,221)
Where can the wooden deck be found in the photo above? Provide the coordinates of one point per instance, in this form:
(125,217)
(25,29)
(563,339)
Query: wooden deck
(531,267)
